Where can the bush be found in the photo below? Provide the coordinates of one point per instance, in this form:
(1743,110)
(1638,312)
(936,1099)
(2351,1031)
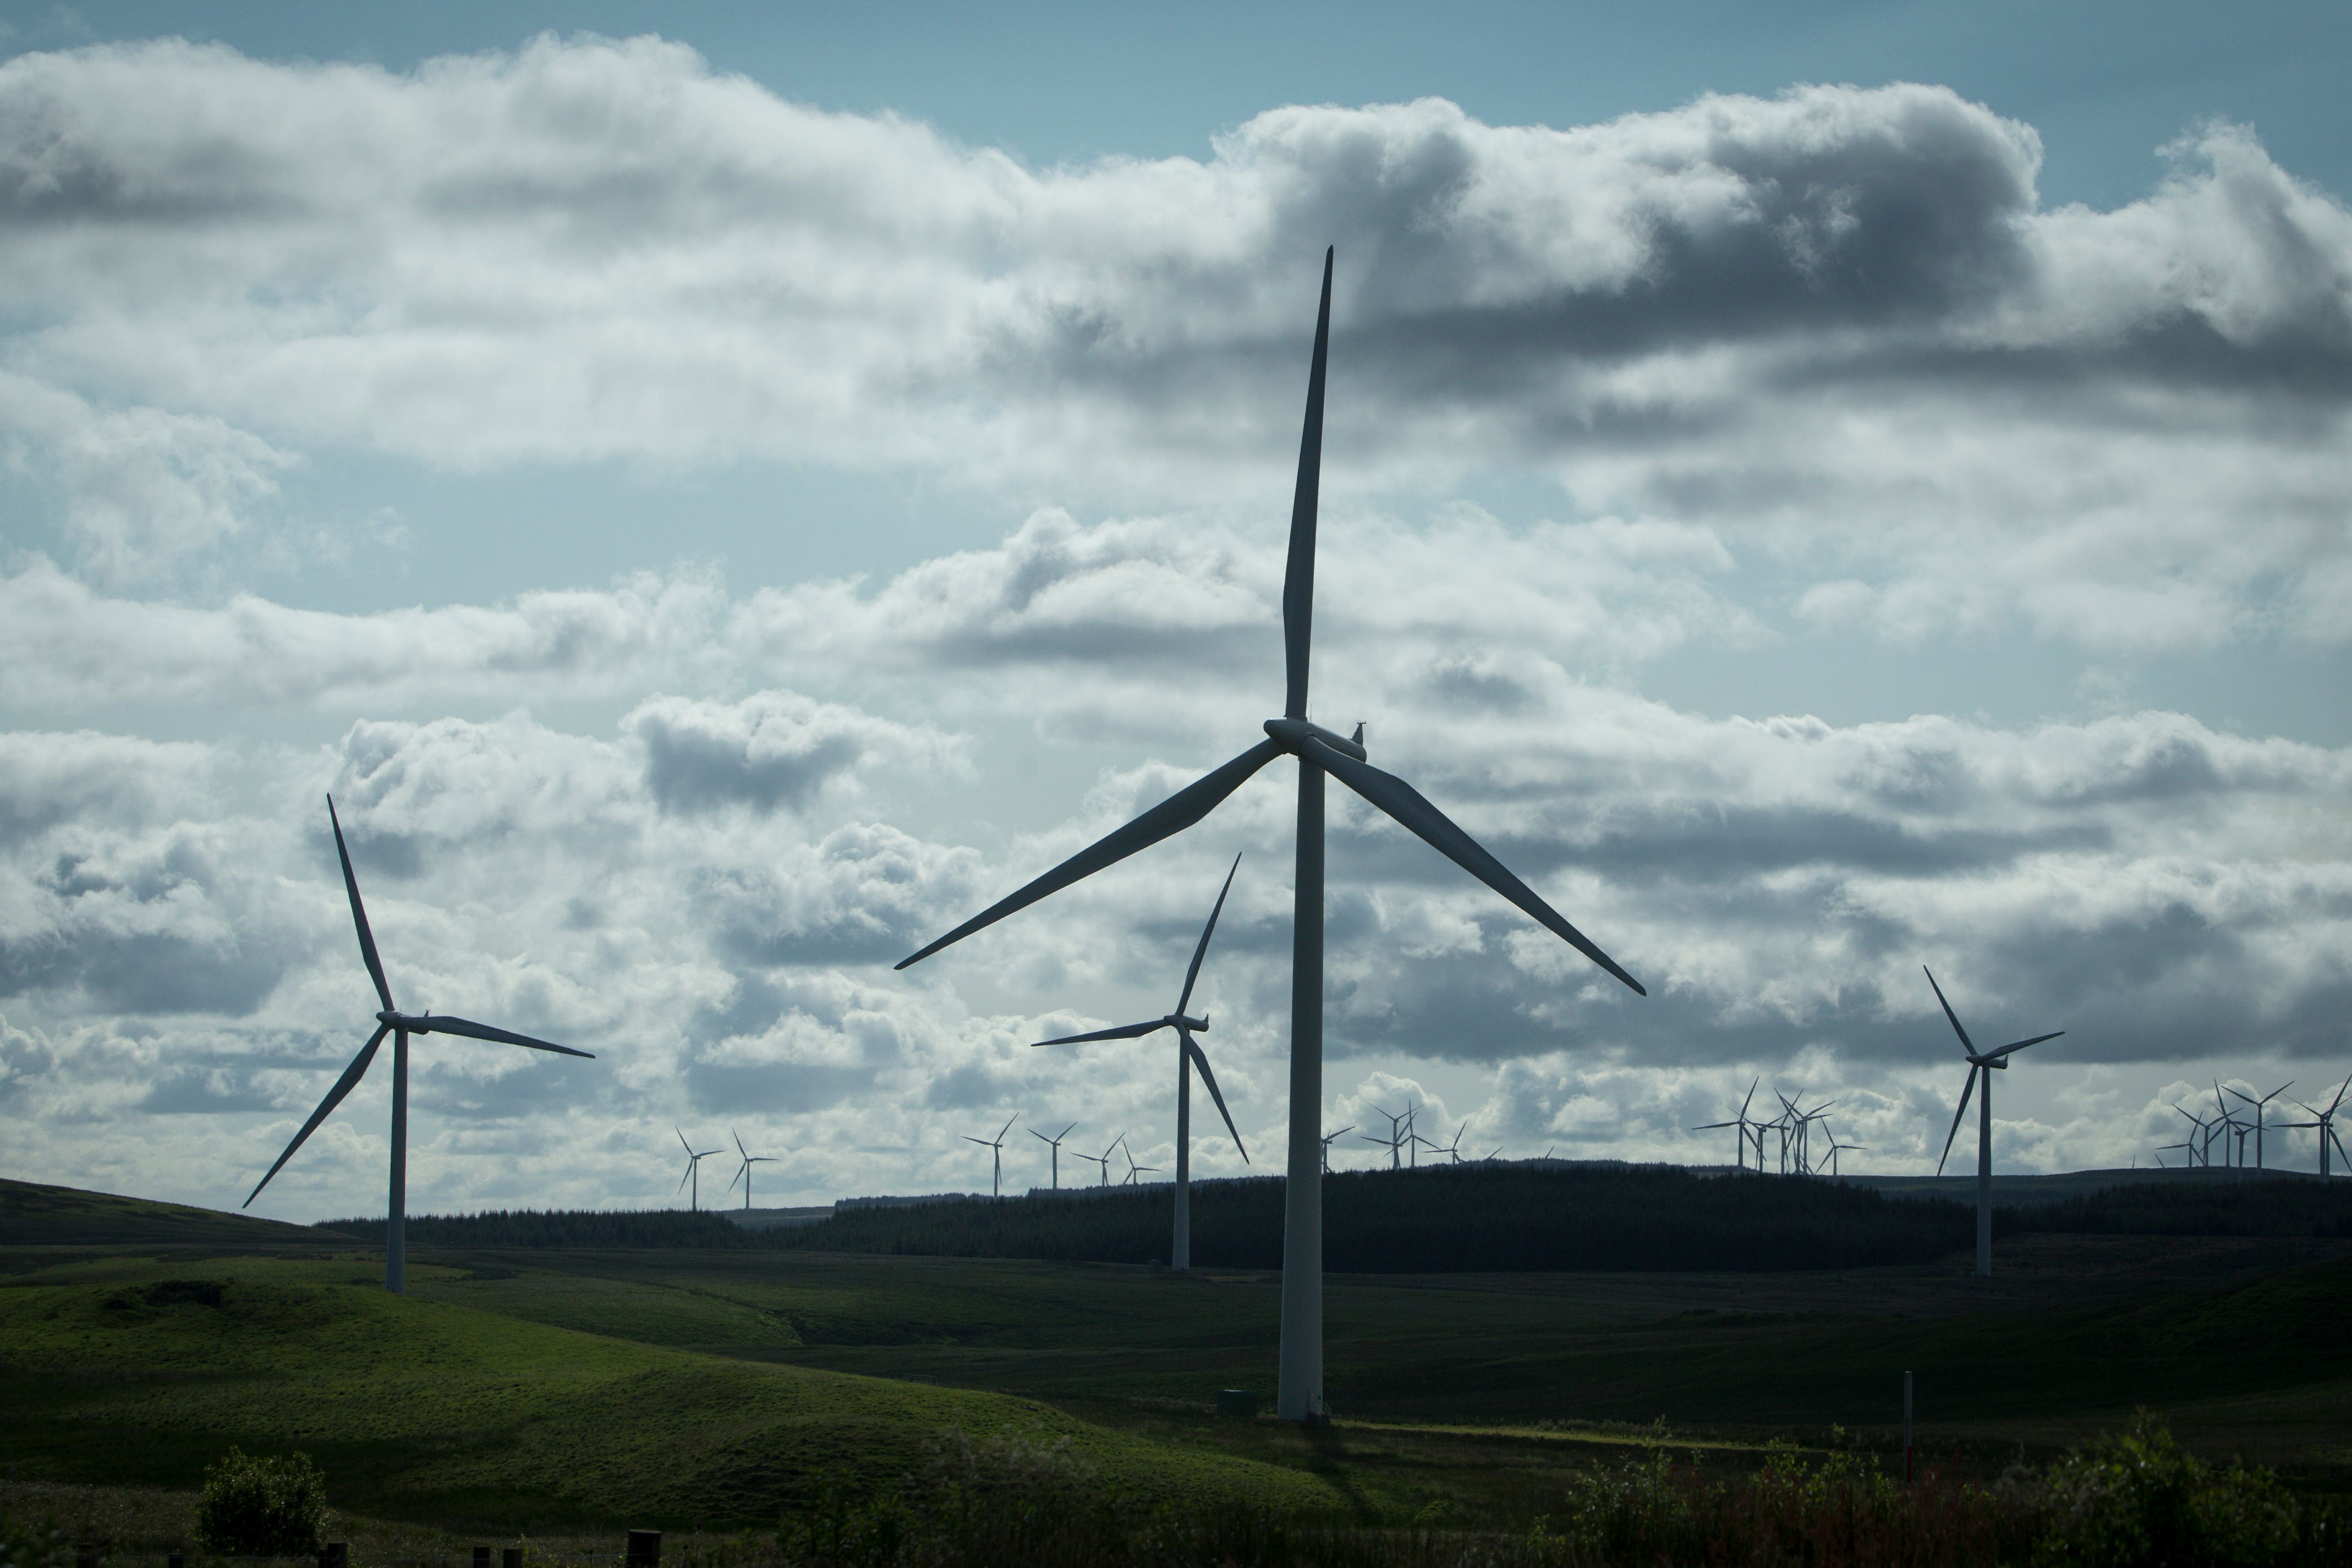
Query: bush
(24,1545)
(256,1507)
(2136,1498)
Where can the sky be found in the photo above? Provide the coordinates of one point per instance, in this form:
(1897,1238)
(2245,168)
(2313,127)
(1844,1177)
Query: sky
(719,496)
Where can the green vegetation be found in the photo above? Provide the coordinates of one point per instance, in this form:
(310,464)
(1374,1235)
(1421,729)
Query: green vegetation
(425,1409)
(257,1507)
(32,1215)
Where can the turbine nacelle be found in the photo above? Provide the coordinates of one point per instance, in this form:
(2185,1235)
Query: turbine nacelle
(1177,1021)
(1292,735)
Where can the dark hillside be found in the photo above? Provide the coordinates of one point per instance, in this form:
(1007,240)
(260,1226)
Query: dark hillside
(32,1215)
(1467,1218)
(2195,1203)
(601,1228)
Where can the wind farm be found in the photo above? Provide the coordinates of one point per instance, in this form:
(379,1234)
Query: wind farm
(784,562)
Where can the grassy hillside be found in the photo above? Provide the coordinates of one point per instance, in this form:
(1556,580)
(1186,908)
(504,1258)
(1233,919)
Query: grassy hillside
(32,1215)
(419,1408)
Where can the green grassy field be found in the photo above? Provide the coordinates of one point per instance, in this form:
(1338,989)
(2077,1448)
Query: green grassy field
(141,1371)
(551,1389)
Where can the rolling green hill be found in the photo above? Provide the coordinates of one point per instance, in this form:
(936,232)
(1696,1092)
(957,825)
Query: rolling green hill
(124,1373)
(32,1215)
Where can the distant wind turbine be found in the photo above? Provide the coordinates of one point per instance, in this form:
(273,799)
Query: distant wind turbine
(1981,1065)
(1135,1173)
(399,1025)
(1298,1386)
(996,1155)
(2262,1111)
(1102,1161)
(694,1169)
(1741,1124)
(1327,1145)
(743,1171)
(1189,1055)
(2324,1122)
(1055,1142)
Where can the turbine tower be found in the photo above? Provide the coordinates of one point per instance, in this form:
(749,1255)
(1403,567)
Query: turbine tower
(1298,1386)
(694,1170)
(996,1157)
(743,1171)
(1981,1065)
(399,1025)
(1187,1056)
(1055,1142)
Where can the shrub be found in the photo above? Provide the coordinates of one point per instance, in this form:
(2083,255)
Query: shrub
(26,1545)
(257,1507)
(2137,1498)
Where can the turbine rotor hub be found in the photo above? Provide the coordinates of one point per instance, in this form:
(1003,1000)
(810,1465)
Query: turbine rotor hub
(1291,734)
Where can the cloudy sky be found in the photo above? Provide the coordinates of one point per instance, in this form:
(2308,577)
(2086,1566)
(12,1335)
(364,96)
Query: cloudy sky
(717,508)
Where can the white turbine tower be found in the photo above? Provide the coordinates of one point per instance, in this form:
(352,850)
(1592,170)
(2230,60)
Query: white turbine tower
(1981,1065)
(1189,1055)
(399,1025)
(1298,1386)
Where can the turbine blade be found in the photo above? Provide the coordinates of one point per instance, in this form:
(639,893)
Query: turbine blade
(1124,1032)
(681,1139)
(343,1086)
(1298,577)
(444,1024)
(1007,1127)
(982,1141)
(1965,1044)
(1752,1095)
(1201,950)
(1172,816)
(1200,1061)
(1713,1125)
(1966,1090)
(358,915)
(2022,1044)
(1408,807)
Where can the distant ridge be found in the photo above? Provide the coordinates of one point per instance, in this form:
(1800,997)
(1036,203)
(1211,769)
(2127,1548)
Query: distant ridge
(33,1215)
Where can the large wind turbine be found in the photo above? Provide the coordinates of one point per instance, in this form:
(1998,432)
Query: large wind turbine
(1189,1055)
(1981,1065)
(399,1025)
(1298,1389)
(743,1171)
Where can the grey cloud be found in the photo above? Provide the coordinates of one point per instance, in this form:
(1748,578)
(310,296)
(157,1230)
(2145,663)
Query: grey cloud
(773,750)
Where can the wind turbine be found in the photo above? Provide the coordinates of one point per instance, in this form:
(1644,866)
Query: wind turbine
(1135,1173)
(694,1170)
(2198,1148)
(1189,1055)
(1102,1161)
(2325,1122)
(399,1025)
(2262,1109)
(1981,1065)
(996,1155)
(1452,1150)
(1837,1148)
(1298,1387)
(1327,1145)
(743,1171)
(1740,1122)
(1056,1142)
